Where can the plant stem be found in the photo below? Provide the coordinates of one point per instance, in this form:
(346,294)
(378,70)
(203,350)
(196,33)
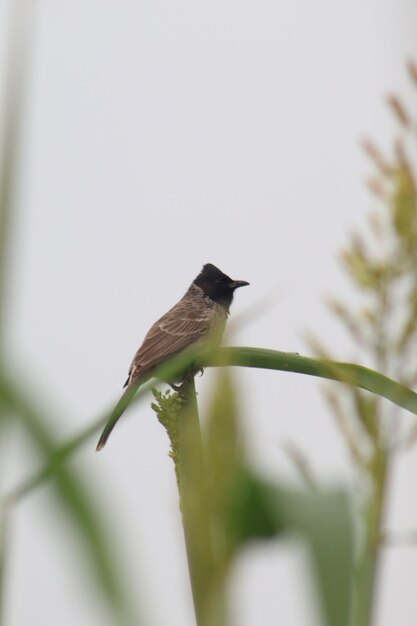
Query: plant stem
(191,475)
(364,589)
(368,570)
(195,507)
(349,373)
(21,27)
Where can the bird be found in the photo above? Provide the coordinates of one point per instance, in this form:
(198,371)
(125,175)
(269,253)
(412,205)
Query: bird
(197,320)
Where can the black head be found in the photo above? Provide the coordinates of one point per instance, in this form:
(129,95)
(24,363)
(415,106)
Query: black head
(218,286)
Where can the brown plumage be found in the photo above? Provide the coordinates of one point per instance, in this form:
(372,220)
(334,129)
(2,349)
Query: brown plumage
(197,319)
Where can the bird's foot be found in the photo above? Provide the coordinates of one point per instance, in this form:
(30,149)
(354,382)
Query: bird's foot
(187,379)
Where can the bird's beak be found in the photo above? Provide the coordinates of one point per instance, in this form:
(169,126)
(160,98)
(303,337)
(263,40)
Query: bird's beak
(238,283)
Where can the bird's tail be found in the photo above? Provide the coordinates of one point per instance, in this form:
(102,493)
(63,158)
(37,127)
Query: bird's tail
(116,414)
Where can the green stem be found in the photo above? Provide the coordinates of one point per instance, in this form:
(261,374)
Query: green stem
(261,358)
(191,480)
(20,35)
(195,507)
(364,589)
(349,373)
(369,563)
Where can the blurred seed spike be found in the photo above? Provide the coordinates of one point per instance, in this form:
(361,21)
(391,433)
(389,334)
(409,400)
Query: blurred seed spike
(375,223)
(399,110)
(389,319)
(343,420)
(366,409)
(316,346)
(376,156)
(359,266)
(359,245)
(400,153)
(352,324)
(409,325)
(377,188)
(412,70)
(411,437)
(301,463)
(404,203)
(369,315)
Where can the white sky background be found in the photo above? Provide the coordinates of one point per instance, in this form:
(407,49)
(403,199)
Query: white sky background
(162,135)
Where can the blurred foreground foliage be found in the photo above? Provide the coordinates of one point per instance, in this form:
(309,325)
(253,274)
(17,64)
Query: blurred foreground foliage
(225,505)
(381,262)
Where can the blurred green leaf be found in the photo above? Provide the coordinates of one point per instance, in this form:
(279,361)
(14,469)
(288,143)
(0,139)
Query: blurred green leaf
(21,19)
(224,460)
(322,519)
(261,358)
(188,450)
(244,508)
(348,373)
(73,495)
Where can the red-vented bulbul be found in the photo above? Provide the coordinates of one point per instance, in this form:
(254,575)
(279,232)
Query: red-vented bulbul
(200,316)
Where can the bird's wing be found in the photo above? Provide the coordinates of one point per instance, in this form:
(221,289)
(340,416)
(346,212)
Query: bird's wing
(187,322)
(180,327)
(184,324)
